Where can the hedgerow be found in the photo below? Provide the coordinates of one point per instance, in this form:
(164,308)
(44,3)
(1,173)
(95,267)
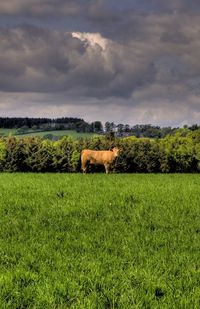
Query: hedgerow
(33,154)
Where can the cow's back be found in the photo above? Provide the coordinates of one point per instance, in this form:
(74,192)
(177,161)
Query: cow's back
(98,156)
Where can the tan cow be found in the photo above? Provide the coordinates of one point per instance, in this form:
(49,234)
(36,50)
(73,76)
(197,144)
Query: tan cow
(98,157)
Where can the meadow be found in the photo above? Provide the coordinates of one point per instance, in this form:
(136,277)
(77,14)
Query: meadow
(99,241)
(57,133)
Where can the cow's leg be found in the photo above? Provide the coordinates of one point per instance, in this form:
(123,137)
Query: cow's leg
(84,166)
(106,168)
(84,169)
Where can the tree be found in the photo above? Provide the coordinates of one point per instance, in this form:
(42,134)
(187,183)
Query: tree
(110,127)
(120,128)
(127,128)
(96,126)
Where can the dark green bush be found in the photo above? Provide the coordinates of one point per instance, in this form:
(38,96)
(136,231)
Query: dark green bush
(141,155)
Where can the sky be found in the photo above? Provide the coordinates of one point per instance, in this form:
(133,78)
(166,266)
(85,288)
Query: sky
(130,61)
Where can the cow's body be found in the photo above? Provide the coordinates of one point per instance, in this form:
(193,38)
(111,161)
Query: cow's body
(98,157)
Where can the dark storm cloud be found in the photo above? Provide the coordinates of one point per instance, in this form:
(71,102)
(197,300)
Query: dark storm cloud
(176,37)
(40,60)
(57,9)
(100,9)
(134,54)
(40,8)
(168,6)
(35,59)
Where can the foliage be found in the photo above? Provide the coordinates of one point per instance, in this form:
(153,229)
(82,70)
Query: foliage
(24,125)
(47,124)
(20,122)
(2,154)
(150,131)
(176,153)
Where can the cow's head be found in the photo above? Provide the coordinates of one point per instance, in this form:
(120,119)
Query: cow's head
(116,151)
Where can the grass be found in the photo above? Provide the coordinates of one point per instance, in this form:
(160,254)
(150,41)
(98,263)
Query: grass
(6,132)
(99,241)
(60,133)
(57,133)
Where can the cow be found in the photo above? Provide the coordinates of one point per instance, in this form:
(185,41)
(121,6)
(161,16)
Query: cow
(98,157)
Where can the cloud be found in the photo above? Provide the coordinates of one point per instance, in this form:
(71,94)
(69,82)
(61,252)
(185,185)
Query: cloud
(99,10)
(155,111)
(84,64)
(40,8)
(92,38)
(134,60)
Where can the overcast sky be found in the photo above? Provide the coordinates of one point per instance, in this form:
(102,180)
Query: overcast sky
(130,61)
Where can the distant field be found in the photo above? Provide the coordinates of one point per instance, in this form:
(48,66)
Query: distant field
(59,133)
(99,241)
(7,132)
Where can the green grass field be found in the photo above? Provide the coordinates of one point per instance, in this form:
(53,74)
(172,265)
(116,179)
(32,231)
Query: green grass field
(7,132)
(100,241)
(57,133)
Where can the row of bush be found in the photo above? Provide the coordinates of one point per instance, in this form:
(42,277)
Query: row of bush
(34,154)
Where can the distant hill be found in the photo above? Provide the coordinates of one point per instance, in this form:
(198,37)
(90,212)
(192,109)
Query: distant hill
(50,134)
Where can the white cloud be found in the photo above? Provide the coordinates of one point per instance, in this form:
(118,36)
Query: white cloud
(92,39)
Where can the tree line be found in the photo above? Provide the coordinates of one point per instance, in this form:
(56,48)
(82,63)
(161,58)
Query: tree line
(171,154)
(42,123)
(80,125)
(147,130)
